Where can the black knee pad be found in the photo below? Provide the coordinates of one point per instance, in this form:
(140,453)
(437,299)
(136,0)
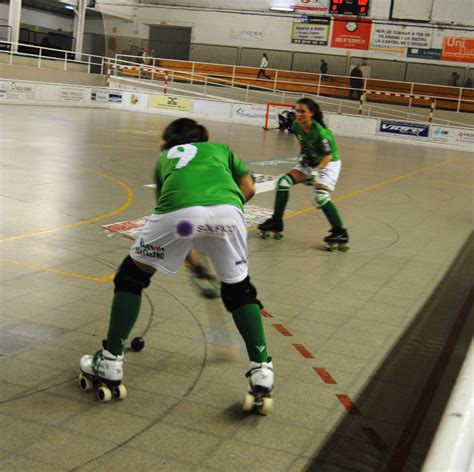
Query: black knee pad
(236,295)
(130,278)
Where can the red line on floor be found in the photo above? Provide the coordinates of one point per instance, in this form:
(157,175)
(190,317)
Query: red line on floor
(303,351)
(412,428)
(374,438)
(281,329)
(265,313)
(325,375)
(348,404)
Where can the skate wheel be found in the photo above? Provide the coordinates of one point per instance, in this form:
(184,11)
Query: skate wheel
(265,235)
(267,406)
(344,247)
(120,392)
(85,384)
(138,343)
(104,394)
(278,236)
(332,247)
(249,402)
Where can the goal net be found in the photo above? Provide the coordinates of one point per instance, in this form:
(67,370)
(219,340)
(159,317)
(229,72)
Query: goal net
(273,110)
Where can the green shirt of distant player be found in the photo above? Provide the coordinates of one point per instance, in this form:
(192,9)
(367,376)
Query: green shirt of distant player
(201,174)
(316,143)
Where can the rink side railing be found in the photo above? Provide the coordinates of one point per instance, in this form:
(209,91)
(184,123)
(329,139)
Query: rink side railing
(283,85)
(409,94)
(197,84)
(452,449)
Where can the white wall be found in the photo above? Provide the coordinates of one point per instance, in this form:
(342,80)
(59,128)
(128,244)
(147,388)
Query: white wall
(455,11)
(38,18)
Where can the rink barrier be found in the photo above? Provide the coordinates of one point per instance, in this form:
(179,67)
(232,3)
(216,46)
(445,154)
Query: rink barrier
(50,94)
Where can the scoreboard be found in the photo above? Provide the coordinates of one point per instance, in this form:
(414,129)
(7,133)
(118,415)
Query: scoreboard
(349,7)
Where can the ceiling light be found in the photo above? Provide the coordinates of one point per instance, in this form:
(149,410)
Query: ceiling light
(289,9)
(69,7)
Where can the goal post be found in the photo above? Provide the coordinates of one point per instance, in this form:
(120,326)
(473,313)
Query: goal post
(272,111)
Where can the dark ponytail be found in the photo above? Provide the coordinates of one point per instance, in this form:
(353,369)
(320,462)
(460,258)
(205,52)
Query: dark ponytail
(313,107)
(183,131)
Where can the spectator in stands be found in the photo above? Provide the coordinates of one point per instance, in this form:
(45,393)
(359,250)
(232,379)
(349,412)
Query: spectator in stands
(454,79)
(356,82)
(323,68)
(263,66)
(468,83)
(146,56)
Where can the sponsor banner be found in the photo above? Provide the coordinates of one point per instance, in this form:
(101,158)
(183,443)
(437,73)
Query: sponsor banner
(458,49)
(318,6)
(445,135)
(397,38)
(404,129)
(246,35)
(312,31)
(106,96)
(350,34)
(72,94)
(168,102)
(21,91)
(243,111)
(3,89)
(100,96)
(135,100)
(424,53)
(212,108)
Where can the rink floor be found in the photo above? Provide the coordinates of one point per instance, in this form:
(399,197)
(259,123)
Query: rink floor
(366,344)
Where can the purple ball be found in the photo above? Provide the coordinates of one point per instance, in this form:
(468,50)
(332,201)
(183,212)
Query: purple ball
(184,228)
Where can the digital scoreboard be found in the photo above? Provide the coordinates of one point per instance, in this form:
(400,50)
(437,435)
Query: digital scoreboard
(349,7)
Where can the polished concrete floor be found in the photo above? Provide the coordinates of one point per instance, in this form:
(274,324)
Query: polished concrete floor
(366,344)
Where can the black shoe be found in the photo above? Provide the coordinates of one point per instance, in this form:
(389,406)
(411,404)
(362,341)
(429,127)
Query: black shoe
(337,236)
(272,224)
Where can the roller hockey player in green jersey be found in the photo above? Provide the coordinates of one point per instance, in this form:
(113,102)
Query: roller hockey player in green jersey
(319,166)
(201,190)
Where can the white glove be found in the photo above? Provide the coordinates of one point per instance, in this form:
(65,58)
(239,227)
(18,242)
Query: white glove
(311,179)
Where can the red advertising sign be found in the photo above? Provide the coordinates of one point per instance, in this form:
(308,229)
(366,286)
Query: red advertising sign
(351,34)
(458,49)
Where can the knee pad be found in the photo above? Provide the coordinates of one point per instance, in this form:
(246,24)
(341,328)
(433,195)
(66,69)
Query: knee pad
(130,278)
(236,295)
(321,197)
(284,183)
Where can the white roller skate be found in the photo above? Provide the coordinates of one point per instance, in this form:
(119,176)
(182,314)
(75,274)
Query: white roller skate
(103,371)
(261,379)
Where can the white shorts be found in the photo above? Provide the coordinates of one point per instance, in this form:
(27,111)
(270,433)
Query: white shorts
(327,176)
(218,231)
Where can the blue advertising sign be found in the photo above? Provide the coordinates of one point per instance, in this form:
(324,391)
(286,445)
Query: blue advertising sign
(424,53)
(404,129)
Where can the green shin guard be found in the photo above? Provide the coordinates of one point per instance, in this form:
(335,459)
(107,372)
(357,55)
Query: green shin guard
(124,314)
(332,214)
(248,320)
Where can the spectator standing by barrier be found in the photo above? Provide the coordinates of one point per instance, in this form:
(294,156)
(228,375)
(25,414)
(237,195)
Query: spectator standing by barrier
(263,66)
(323,68)
(146,57)
(454,79)
(468,83)
(356,82)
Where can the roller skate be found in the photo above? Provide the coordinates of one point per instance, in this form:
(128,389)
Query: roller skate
(103,371)
(337,240)
(259,396)
(207,284)
(272,225)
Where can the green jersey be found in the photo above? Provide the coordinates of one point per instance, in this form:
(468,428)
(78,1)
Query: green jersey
(315,144)
(198,174)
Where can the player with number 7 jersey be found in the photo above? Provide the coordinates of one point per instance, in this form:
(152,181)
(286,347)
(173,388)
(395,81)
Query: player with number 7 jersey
(201,190)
